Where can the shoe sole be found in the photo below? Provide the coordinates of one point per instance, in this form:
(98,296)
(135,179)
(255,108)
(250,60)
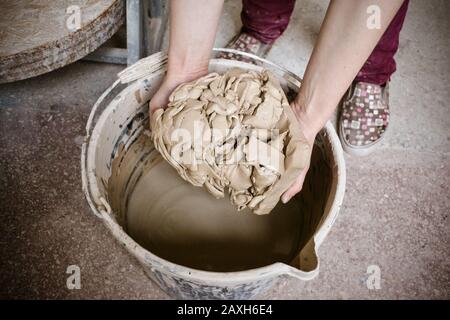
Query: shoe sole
(360,152)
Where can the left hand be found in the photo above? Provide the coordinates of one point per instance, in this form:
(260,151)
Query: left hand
(310,135)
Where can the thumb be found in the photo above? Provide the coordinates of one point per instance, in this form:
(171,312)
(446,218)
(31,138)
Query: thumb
(295,188)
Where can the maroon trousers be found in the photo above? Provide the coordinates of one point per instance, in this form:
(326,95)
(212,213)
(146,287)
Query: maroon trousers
(266,20)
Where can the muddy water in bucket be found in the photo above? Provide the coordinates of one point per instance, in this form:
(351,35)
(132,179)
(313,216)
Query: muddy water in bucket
(188,226)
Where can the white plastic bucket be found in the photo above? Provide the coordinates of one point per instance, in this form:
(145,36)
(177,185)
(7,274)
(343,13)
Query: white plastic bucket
(118,122)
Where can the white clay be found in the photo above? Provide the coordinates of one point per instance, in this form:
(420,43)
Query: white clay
(242,136)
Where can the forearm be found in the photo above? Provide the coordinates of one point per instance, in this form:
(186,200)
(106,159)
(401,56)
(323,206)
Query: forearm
(193,25)
(343,45)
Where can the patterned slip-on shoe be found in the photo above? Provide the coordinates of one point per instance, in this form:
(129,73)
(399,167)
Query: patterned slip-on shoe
(246,43)
(364,118)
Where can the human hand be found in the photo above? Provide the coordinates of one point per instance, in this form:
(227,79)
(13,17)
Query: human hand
(193,25)
(310,133)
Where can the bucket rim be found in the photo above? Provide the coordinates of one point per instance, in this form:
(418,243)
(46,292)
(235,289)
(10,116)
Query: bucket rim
(102,210)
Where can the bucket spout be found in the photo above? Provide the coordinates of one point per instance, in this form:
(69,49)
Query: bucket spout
(304,266)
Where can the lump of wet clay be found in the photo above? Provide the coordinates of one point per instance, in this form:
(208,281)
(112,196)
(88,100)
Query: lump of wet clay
(234,131)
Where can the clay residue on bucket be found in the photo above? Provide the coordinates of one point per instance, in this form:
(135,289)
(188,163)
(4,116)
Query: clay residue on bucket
(186,225)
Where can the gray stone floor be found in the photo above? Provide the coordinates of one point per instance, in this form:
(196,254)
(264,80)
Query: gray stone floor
(395,213)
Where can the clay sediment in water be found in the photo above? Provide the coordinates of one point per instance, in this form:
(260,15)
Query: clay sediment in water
(234,131)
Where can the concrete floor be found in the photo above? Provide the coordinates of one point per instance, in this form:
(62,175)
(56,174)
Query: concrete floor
(395,213)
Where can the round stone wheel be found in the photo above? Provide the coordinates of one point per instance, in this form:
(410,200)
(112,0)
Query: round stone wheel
(38,36)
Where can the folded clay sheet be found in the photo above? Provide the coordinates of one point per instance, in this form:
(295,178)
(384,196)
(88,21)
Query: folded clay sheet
(233,132)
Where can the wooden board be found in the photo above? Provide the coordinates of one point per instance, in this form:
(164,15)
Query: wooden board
(37,36)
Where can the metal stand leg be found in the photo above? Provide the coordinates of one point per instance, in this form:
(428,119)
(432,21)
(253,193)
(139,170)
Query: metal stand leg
(146,25)
(135,34)
(156,13)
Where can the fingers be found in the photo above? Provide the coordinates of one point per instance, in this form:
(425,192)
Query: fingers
(295,188)
(169,84)
(160,99)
